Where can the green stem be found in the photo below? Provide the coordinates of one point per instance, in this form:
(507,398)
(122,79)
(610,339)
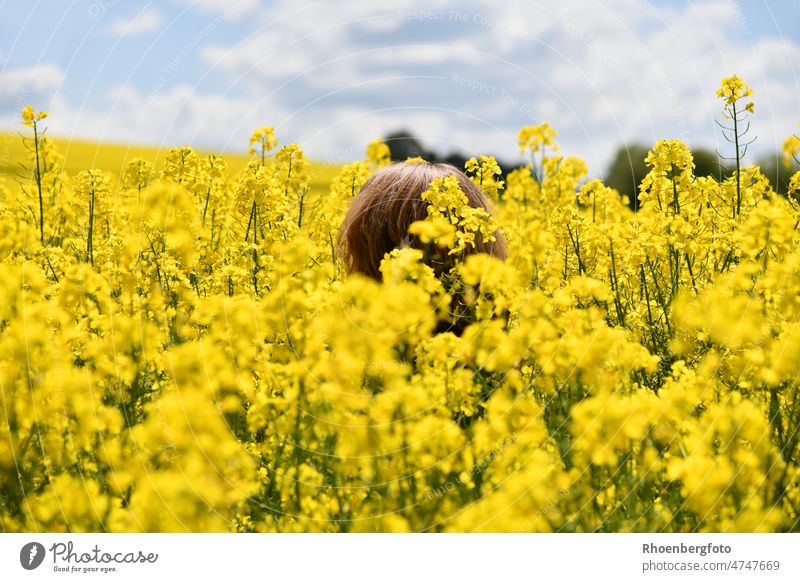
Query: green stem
(250,222)
(660,296)
(649,311)
(255,248)
(39,182)
(205,208)
(300,214)
(615,288)
(738,209)
(675,203)
(89,249)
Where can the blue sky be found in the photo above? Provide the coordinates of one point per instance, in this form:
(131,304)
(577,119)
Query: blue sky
(333,75)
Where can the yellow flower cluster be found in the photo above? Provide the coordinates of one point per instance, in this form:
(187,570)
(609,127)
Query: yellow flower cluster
(378,153)
(30,117)
(263,140)
(791,150)
(181,350)
(533,138)
(451,222)
(484,171)
(732,89)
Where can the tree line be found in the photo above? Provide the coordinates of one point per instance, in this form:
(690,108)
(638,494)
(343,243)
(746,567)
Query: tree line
(624,173)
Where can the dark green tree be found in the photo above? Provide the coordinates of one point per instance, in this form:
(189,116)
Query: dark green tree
(773,168)
(403,145)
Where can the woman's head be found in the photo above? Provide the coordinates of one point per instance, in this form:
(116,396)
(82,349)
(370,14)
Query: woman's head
(388,203)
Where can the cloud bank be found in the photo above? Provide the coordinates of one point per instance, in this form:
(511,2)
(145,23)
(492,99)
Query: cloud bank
(333,74)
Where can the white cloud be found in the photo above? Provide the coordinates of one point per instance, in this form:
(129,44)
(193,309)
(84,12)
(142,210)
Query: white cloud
(493,67)
(602,73)
(36,85)
(230,9)
(333,75)
(147,20)
(179,115)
